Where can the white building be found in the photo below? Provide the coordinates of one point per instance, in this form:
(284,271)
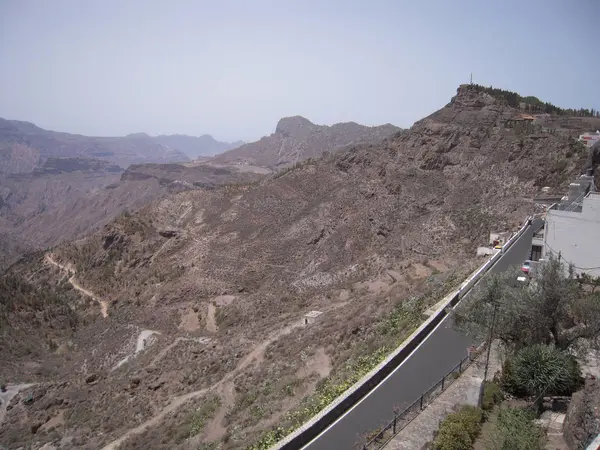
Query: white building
(590,139)
(572,228)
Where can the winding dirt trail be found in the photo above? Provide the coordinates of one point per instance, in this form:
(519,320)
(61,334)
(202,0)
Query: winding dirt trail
(6,397)
(224,388)
(69,268)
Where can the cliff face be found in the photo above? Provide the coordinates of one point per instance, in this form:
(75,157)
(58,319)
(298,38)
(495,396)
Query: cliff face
(296,139)
(582,423)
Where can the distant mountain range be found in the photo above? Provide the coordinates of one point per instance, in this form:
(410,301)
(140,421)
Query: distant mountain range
(25,146)
(195,147)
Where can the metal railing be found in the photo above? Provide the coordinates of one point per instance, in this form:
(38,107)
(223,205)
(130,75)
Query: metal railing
(403,418)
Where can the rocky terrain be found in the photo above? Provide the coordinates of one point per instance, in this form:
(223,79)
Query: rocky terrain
(196,146)
(181,326)
(69,197)
(296,139)
(582,421)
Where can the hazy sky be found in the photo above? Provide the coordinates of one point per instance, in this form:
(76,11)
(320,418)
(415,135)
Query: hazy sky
(234,68)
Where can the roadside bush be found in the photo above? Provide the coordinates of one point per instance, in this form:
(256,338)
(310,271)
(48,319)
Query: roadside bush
(514,429)
(492,396)
(460,429)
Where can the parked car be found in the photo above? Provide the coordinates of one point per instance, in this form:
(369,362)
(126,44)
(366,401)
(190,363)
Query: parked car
(526,266)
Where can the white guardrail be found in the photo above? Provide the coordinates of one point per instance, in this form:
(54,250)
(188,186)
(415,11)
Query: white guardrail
(366,383)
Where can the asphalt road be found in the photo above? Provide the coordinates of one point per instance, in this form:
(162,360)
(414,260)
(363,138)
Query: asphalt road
(444,348)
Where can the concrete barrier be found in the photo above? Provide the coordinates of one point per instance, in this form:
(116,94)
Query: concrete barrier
(595,444)
(311,429)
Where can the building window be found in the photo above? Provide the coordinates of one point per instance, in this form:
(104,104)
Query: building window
(536,252)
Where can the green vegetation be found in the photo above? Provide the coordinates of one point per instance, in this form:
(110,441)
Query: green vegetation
(539,370)
(492,396)
(538,323)
(557,309)
(18,294)
(197,419)
(513,428)
(533,104)
(460,429)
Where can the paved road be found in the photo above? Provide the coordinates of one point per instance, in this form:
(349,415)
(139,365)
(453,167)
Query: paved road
(428,364)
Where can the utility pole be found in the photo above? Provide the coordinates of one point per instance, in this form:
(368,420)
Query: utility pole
(487,356)
(489,344)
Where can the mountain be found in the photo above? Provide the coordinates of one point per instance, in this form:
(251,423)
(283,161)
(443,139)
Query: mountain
(195,147)
(182,324)
(70,197)
(24,146)
(296,139)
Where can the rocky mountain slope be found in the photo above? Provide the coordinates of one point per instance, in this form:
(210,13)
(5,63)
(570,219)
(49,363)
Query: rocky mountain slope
(196,146)
(205,291)
(67,198)
(296,139)
(24,146)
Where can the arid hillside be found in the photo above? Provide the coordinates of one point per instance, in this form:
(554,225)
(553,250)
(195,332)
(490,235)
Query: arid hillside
(24,146)
(185,320)
(69,197)
(296,139)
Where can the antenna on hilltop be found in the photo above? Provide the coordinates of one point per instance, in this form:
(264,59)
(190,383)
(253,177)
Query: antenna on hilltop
(471,77)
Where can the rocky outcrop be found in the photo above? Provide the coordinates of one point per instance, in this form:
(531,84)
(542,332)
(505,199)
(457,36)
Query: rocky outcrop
(296,139)
(582,423)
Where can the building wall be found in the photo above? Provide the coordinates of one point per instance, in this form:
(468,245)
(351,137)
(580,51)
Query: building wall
(589,139)
(575,235)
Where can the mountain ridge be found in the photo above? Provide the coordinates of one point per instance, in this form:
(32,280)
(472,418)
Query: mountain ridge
(297,138)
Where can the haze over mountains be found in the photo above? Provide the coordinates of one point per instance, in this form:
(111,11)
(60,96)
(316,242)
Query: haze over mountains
(195,147)
(24,146)
(223,277)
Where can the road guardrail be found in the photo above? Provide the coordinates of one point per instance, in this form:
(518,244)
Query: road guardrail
(312,428)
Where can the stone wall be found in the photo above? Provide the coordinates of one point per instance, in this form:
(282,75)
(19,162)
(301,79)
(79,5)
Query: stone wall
(582,423)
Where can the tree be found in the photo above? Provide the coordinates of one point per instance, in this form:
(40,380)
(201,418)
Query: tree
(544,369)
(554,308)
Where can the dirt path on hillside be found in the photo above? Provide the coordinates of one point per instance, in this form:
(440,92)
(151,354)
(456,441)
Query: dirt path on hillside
(6,397)
(225,388)
(143,340)
(211,323)
(69,268)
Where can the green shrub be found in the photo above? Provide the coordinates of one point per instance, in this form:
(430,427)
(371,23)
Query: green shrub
(492,396)
(460,429)
(452,436)
(513,428)
(541,369)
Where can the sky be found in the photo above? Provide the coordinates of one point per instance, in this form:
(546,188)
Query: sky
(232,69)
